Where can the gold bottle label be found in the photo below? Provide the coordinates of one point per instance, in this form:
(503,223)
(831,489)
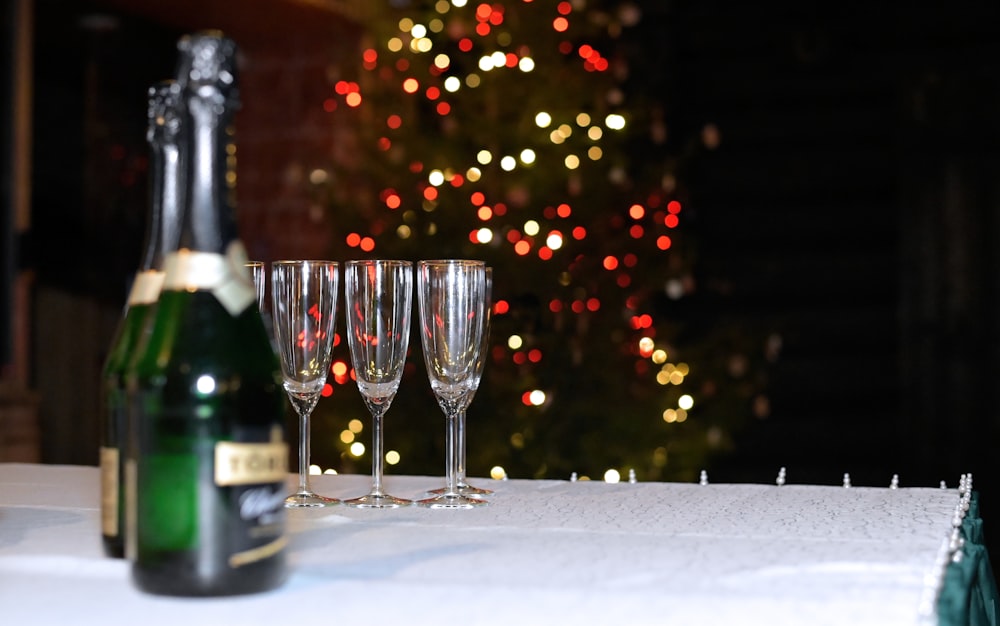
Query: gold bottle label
(131,512)
(146,287)
(109,491)
(250,463)
(256,554)
(226,276)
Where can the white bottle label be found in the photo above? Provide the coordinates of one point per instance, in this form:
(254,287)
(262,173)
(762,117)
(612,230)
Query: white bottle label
(146,287)
(226,276)
(109,491)
(238,463)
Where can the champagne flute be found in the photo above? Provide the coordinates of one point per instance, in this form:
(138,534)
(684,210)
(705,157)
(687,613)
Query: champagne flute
(379,296)
(259,281)
(304,303)
(462,485)
(451,297)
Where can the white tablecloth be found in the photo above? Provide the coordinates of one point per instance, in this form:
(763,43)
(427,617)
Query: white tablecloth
(552,552)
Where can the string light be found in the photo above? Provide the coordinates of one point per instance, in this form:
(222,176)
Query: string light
(437,60)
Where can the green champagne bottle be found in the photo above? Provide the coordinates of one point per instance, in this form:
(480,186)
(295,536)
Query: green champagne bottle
(162,227)
(210,450)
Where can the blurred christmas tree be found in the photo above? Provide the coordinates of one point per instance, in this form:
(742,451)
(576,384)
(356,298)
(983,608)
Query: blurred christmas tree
(517,132)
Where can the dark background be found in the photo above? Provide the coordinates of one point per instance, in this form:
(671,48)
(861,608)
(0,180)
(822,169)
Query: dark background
(7,234)
(851,208)
(853,205)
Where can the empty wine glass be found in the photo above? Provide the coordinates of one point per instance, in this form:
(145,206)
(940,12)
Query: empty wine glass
(304,303)
(451,298)
(378,295)
(462,485)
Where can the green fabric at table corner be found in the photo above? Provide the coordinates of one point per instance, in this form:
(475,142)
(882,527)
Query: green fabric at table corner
(969,591)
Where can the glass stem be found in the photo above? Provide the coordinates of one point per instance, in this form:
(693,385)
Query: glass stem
(460,442)
(303,452)
(377,456)
(451,454)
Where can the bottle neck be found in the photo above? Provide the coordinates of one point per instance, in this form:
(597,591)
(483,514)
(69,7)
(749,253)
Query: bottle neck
(163,220)
(163,223)
(171,214)
(209,224)
(210,256)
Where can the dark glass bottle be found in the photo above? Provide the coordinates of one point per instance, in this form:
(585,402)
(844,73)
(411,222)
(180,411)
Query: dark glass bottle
(162,227)
(211,457)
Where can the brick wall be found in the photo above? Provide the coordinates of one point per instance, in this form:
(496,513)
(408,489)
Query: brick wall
(284,134)
(19,435)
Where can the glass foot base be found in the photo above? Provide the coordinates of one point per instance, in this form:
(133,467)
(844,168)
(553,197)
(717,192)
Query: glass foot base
(308,499)
(451,501)
(378,501)
(463,489)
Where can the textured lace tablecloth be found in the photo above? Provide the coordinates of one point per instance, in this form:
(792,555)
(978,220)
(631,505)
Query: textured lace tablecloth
(552,552)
